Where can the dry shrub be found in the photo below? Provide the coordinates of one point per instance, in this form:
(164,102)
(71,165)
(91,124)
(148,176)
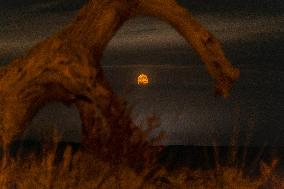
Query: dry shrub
(126,143)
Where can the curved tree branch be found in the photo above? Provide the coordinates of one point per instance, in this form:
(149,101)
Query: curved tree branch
(66,66)
(204,43)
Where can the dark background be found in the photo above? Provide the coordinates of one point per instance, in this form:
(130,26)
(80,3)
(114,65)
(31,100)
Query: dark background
(180,91)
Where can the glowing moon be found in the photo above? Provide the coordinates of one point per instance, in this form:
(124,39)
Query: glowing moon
(142,79)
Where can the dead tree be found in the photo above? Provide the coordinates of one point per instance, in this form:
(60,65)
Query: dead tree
(66,66)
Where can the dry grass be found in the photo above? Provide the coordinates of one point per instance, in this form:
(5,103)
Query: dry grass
(118,162)
(85,171)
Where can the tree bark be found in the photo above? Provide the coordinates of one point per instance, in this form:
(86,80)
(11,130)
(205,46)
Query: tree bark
(66,66)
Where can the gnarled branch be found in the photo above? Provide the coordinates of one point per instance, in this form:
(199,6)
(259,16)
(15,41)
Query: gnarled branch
(66,66)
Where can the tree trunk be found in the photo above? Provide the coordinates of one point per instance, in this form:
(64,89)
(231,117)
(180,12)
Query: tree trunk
(66,66)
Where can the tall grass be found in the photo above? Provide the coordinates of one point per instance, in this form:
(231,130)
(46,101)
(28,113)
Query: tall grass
(127,159)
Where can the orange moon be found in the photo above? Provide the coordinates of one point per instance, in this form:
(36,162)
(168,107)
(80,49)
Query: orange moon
(142,79)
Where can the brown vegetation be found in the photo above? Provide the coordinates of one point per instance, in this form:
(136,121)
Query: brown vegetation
(122,163)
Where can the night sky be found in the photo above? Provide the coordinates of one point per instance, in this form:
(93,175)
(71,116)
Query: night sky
(180,91)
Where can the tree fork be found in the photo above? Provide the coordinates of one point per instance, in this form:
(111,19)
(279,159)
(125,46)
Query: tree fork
(66,66)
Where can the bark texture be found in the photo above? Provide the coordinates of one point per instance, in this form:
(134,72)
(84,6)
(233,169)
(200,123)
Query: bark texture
(66,66)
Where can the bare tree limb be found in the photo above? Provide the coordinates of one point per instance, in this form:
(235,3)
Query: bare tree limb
(66,66)
(204,43)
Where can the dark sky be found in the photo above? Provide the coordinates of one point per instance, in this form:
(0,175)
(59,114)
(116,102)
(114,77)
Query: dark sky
(181,92)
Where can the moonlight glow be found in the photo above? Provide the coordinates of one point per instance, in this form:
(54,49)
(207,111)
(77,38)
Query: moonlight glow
(142,79)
